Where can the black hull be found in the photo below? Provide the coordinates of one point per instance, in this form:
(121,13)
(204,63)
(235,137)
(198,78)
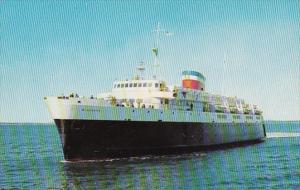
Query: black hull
(91,140)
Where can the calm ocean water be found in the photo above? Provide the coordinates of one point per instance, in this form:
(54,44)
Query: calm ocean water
(31,155)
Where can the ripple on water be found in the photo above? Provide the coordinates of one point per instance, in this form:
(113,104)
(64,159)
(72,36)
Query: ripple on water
(273,164)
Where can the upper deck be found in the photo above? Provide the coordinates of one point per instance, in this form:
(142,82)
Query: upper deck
(139,85)
(139,89)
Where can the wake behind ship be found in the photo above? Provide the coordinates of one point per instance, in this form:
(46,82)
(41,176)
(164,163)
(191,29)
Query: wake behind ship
(145,116)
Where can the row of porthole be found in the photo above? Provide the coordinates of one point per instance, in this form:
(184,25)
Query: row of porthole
(191,114)
(223,116)
(161,112)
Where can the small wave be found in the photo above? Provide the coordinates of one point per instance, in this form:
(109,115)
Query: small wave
(138,158)
(282,135)
(89,161)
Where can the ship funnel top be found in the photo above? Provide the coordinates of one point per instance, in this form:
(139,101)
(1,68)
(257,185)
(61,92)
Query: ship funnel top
(193,80)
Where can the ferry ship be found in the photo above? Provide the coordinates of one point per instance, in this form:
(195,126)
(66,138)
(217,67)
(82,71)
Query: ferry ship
(147,116)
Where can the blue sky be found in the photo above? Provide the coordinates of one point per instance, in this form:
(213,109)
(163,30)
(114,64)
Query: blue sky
(56,47)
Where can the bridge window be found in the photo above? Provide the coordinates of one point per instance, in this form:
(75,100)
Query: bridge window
(248,117)
(156,85)
(135,85)
(140,84)
(145,84)
(130,85)
(126,85)
(118,86)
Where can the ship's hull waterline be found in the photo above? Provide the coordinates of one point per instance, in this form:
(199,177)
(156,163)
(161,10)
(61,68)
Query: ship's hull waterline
(102,139)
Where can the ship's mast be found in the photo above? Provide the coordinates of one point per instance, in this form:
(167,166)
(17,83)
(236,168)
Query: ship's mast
(141,69)
(158,30)
(224,73)
(155,51)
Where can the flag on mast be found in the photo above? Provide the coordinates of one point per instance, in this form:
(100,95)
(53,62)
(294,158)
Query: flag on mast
(155,51)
